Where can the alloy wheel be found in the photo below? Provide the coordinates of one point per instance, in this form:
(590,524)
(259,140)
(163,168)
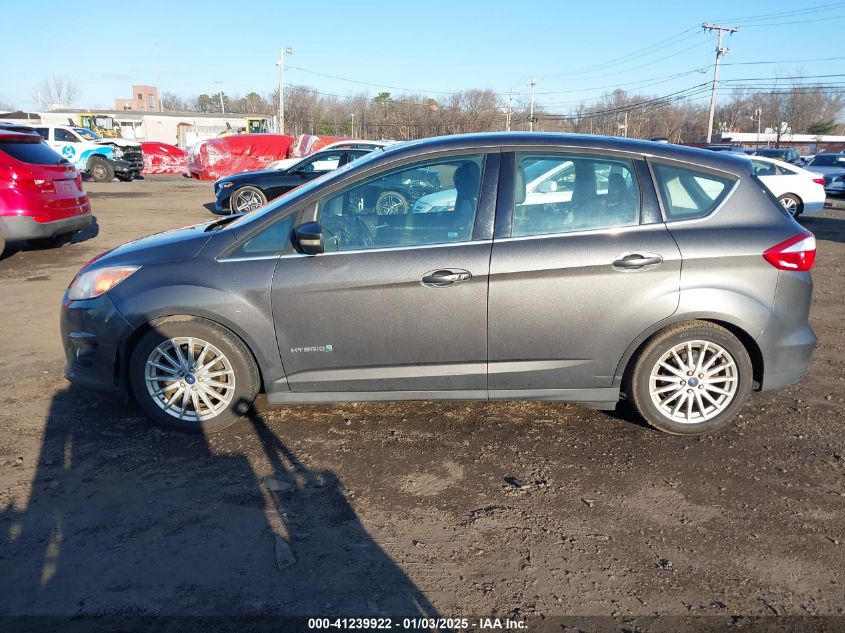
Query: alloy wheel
(693,382)
(248,201)
(189,379)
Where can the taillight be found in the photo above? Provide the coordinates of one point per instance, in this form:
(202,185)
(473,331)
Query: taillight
(819,181)
(797,253)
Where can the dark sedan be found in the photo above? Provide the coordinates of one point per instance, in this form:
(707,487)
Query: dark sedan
(251,190)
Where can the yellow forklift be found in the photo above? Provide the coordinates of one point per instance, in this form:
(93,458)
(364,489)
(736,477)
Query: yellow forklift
(254,125)
(102,124)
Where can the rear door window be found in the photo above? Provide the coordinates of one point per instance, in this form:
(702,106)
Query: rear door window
(32,153)
(562,193)
(688,193)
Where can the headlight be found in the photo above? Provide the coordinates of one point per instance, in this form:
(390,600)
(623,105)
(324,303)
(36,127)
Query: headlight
(224,185)
(116,152)
(91,284)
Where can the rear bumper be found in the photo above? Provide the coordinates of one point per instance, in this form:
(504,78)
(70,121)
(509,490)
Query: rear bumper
(788,342)
(93,333)
(25,228)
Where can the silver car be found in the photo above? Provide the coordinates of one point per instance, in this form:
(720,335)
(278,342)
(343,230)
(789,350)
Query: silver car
(666,275)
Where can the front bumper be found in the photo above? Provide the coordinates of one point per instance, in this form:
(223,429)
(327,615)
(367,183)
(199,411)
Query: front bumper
(127,167)
(223,199)
(25,228)
(93,335)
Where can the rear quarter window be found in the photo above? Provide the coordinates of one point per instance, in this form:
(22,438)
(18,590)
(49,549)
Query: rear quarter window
(687,193)
(32,153)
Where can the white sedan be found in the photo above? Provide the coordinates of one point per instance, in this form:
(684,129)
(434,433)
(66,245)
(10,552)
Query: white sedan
(798,190)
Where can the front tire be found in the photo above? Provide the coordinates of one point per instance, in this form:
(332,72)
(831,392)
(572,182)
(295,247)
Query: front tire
(247,199)
(690,378)
(193,375)
(100,169)
(792,203)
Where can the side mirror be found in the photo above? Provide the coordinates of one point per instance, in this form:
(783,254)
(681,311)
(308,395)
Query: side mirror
(309,238)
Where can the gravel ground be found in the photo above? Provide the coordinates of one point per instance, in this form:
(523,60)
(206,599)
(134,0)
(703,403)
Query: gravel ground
(445,509)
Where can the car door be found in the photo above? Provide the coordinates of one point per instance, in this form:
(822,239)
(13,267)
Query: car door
(396,303)
(770,175)
(574,282)
(67,144)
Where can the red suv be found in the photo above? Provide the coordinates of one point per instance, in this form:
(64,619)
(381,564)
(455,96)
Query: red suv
(41,194)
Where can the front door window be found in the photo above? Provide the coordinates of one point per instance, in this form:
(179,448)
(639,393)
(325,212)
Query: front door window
(423,204)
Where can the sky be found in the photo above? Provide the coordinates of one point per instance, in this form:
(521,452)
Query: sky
(575,50)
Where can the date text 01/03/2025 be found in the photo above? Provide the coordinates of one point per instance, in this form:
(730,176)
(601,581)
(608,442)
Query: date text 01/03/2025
(414,624)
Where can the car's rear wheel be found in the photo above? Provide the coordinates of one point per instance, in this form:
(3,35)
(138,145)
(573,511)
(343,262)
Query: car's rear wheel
(193,375)
(2,244)
(690,378)
(391,203)
(792,203)
(247,199)
(100,169)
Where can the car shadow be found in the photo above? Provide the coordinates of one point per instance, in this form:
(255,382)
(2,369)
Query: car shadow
(37,245)
(825,227)
(124,520)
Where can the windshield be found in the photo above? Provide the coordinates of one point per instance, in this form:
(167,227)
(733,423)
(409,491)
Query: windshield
(304,190)
(87,134)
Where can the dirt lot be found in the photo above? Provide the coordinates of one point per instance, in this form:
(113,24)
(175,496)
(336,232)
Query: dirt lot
(390,509)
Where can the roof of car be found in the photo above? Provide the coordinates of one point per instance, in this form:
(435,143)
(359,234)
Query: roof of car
(8,136)
(730,161)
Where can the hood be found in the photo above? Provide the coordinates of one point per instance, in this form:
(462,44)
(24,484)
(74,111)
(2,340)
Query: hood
(832,169)
(122,142)
(167,247)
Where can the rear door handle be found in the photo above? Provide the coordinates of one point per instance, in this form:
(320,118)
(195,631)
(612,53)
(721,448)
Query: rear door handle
(445,277)
(633,261)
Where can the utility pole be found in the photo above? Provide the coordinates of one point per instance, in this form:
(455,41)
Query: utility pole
(285,51)
(222,106)
(759,113)
(352,114)
(531,116)
(720,52)
(508,113)
(158,78)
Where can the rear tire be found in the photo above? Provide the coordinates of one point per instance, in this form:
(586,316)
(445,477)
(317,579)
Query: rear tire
(100,169)
(690,378)
(792,203)
(391,203)
(193,375)
(2,244)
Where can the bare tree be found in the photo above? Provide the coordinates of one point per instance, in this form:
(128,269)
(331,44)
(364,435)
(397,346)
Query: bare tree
(56,92)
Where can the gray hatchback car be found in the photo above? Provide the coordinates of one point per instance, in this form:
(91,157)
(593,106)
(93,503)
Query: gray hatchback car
(539,266)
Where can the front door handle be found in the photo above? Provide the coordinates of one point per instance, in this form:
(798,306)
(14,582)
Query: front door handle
(445,277)
(633,261)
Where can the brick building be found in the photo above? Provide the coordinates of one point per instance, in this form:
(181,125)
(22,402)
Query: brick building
(144,98)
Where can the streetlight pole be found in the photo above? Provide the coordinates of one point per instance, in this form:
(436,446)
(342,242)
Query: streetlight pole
(285,51)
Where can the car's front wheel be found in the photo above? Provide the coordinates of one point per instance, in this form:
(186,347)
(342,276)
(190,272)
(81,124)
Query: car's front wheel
(100,169)
(247,199)
(690,378)
(193,375)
